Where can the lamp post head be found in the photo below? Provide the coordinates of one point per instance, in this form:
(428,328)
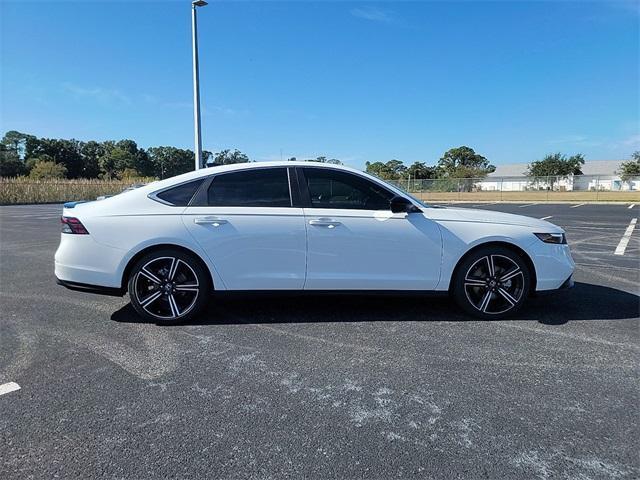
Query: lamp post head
(199,3)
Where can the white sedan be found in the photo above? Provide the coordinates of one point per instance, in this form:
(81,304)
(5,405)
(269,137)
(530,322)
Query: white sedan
(301,226)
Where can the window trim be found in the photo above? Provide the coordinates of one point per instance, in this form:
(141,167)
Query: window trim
(306,195)
(154,195)
(201,197)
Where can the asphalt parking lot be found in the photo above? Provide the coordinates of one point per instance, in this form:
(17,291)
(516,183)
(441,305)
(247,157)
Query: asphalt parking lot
(323,387)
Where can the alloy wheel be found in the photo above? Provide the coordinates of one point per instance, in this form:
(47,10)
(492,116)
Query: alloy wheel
(166,287)
(494,284)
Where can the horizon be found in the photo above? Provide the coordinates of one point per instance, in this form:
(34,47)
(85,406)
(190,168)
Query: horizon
(355,81)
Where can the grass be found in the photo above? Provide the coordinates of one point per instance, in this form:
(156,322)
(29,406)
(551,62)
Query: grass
(23,190)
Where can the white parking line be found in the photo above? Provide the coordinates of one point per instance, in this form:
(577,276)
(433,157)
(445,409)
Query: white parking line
(576,206)
(527,205)
(624,241)
(9,387)
(546,218)
(631,206)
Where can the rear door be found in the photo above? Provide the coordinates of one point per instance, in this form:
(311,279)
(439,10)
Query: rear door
(354,240)
(246,222)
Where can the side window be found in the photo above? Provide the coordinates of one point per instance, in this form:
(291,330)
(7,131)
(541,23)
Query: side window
(261,187)
(181,195)
(334,189)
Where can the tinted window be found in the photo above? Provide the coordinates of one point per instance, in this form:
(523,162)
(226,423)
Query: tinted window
(263,187)
(335,189)
(181,195)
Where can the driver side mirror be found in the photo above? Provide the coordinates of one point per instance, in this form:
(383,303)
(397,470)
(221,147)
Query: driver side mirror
(400,205)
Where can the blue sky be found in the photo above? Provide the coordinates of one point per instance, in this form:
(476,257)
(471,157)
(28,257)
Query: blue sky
(351,80)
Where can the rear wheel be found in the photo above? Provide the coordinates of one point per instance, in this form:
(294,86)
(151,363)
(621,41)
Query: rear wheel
(168,286)
(492,283)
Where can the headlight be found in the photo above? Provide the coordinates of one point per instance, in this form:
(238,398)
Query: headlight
(557,238)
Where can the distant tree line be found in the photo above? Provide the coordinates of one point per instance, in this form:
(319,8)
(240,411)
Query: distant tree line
(22,154)
(460,162)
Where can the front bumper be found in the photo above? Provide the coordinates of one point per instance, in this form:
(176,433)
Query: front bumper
(568,284)
(554,266)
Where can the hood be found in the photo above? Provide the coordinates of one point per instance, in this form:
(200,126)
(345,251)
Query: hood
(487,216)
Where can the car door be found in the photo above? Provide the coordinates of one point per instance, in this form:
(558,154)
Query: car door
(355,242)
(246,223)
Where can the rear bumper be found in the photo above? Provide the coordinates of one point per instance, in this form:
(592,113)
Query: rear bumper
(80,260)
(85,287)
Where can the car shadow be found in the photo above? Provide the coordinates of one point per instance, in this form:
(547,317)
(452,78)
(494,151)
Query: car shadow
(584,302)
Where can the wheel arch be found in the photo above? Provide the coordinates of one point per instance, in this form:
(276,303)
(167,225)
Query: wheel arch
(162,246)
(509,246)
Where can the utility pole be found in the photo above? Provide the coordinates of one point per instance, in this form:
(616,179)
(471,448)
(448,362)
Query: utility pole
(196,83)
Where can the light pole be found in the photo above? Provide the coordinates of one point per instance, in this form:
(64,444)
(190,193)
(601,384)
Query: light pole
(196,82)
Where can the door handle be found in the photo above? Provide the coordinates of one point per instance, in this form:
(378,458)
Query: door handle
(215,221)
(324,222)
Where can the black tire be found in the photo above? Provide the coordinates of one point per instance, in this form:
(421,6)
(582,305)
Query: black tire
(168,286)
(491,297)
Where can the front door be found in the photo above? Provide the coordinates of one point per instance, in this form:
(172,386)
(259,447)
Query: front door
(356,243)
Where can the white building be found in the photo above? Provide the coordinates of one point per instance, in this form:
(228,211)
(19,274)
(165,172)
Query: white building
(596,175)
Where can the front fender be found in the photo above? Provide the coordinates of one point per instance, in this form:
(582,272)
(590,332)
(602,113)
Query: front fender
(461,237)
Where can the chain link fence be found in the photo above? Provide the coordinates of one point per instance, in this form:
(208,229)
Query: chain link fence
(587,188)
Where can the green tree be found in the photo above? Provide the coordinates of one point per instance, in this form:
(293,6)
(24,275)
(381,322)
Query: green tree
(64,152)
(556,164)
(170,161)
(22,144)
(10,163)
(391,170)
(46,169)
(630,168)
(227,157)
(91,152)
(124,155)
(333,161)
(463,162)
(418,170)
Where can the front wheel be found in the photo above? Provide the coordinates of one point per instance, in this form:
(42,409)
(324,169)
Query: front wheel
(492,283)
(168,286)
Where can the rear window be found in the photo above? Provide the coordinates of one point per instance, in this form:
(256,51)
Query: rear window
(181,195)
(262,187)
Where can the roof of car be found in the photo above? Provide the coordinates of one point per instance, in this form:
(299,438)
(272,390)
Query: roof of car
(203,172)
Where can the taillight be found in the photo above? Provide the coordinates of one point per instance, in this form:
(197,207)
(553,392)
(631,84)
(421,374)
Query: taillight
(73,225)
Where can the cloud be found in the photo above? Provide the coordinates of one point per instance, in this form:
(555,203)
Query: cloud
(374,14)
(632,141)
(575,140)
(105,96)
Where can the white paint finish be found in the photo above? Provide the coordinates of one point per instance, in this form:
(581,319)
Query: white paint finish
(9,387)
(368,249)
(266,248)
(631,206)
(547,218)
(527,205)
(578,205)
(252,248)
(624,241)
